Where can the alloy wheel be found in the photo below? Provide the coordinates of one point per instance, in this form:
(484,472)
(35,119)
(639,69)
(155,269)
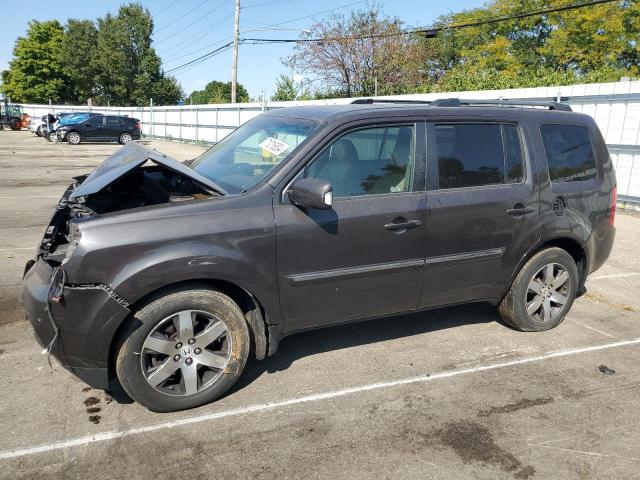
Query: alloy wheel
(186,353)
(547,293)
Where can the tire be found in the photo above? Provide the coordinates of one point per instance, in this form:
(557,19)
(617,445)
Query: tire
(138,367)
(16,125)
(74,138)
(125,138)
(40,131)
(530,305)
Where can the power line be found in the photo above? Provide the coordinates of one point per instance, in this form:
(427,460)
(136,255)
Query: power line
(428,32)
(314,14)
(182,16)
(173,57)
(169,37)
(272,25)
(165,8)
(263,4)
(431,32)
(203,33)
(206,56)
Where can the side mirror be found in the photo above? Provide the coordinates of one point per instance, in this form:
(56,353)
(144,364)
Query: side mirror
(311,193)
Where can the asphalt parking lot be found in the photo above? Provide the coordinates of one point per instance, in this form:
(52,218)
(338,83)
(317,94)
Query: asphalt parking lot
(451,393)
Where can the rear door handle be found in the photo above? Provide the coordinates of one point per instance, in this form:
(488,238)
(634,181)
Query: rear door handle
(520,209)
(403,225)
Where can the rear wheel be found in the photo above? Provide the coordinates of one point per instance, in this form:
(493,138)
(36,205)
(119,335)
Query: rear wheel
(542,293)
(125,138)
(183,349)
(16,124)
(74,138)
(40,131)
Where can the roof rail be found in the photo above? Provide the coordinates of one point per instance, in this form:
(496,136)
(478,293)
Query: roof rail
(459,102)
(369,101)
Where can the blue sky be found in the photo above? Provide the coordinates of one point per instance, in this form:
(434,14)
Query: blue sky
(186,29)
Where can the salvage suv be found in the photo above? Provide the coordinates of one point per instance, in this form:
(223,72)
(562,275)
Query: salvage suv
(165,276)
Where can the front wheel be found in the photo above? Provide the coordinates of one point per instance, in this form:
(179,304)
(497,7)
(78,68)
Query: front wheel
(542,293)
(73,138)
(183,349)
(125,138)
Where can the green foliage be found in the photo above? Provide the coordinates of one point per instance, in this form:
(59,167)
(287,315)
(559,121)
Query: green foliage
(598,43)
(217,92)
(77,57)
(35,74)
(111,62)
(286,89)
(128,67)
(593,44)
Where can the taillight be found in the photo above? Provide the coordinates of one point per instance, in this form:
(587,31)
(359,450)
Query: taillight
(137,126)
(612,205)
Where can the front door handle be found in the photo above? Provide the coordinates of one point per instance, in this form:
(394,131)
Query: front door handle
(519,209)
(403,225)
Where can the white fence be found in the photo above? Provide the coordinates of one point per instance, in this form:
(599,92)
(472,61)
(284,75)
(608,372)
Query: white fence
(614,106)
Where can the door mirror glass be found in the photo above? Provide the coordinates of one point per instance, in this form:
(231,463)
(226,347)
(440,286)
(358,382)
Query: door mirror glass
(311,193)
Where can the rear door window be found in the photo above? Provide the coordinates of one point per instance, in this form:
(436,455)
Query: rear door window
(110,120)
(569,153)
(477,154)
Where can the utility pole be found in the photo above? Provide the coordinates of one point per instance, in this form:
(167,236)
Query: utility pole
(234,68)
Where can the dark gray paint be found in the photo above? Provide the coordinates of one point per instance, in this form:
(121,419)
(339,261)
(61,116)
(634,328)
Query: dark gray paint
(309,268)
(126,159)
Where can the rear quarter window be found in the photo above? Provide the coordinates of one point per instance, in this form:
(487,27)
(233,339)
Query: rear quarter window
(569,152)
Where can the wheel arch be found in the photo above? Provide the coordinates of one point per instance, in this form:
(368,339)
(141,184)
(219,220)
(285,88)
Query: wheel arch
(73,131)
(250,306)
(571,245)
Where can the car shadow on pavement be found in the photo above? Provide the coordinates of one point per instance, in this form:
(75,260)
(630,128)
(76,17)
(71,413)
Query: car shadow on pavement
(349,335)
(367,332)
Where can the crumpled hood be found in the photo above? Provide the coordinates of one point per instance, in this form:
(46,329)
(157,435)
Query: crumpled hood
(126,159)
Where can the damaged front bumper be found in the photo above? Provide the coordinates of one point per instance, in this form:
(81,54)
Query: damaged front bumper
(76,323)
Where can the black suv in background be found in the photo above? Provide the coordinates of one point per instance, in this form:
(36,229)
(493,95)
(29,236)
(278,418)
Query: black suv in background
(165,275)
(99,128)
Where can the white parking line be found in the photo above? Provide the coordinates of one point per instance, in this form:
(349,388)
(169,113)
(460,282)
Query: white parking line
(113,435)
(30,196)
(16,248)
(589,327)
(615,275)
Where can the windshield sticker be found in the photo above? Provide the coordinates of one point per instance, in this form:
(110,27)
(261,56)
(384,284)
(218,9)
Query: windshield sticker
(273,145)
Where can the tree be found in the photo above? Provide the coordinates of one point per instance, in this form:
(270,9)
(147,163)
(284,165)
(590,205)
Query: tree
(128,67)
(77,57)
(285,89)
(217,92)
(359,51)
(595,43)
(35,74)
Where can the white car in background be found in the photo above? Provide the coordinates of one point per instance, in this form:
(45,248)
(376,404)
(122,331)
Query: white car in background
(37,126)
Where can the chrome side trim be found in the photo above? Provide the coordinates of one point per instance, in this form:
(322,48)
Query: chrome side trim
(465,257)
(352,272)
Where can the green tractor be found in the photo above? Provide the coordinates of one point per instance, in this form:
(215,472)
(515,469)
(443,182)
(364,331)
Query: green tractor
(11,115)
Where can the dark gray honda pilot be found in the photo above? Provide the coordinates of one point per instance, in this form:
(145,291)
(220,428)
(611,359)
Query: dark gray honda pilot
(165,276)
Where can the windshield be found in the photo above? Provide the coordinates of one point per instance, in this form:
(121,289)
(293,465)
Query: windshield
(247,155)
(74,118)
